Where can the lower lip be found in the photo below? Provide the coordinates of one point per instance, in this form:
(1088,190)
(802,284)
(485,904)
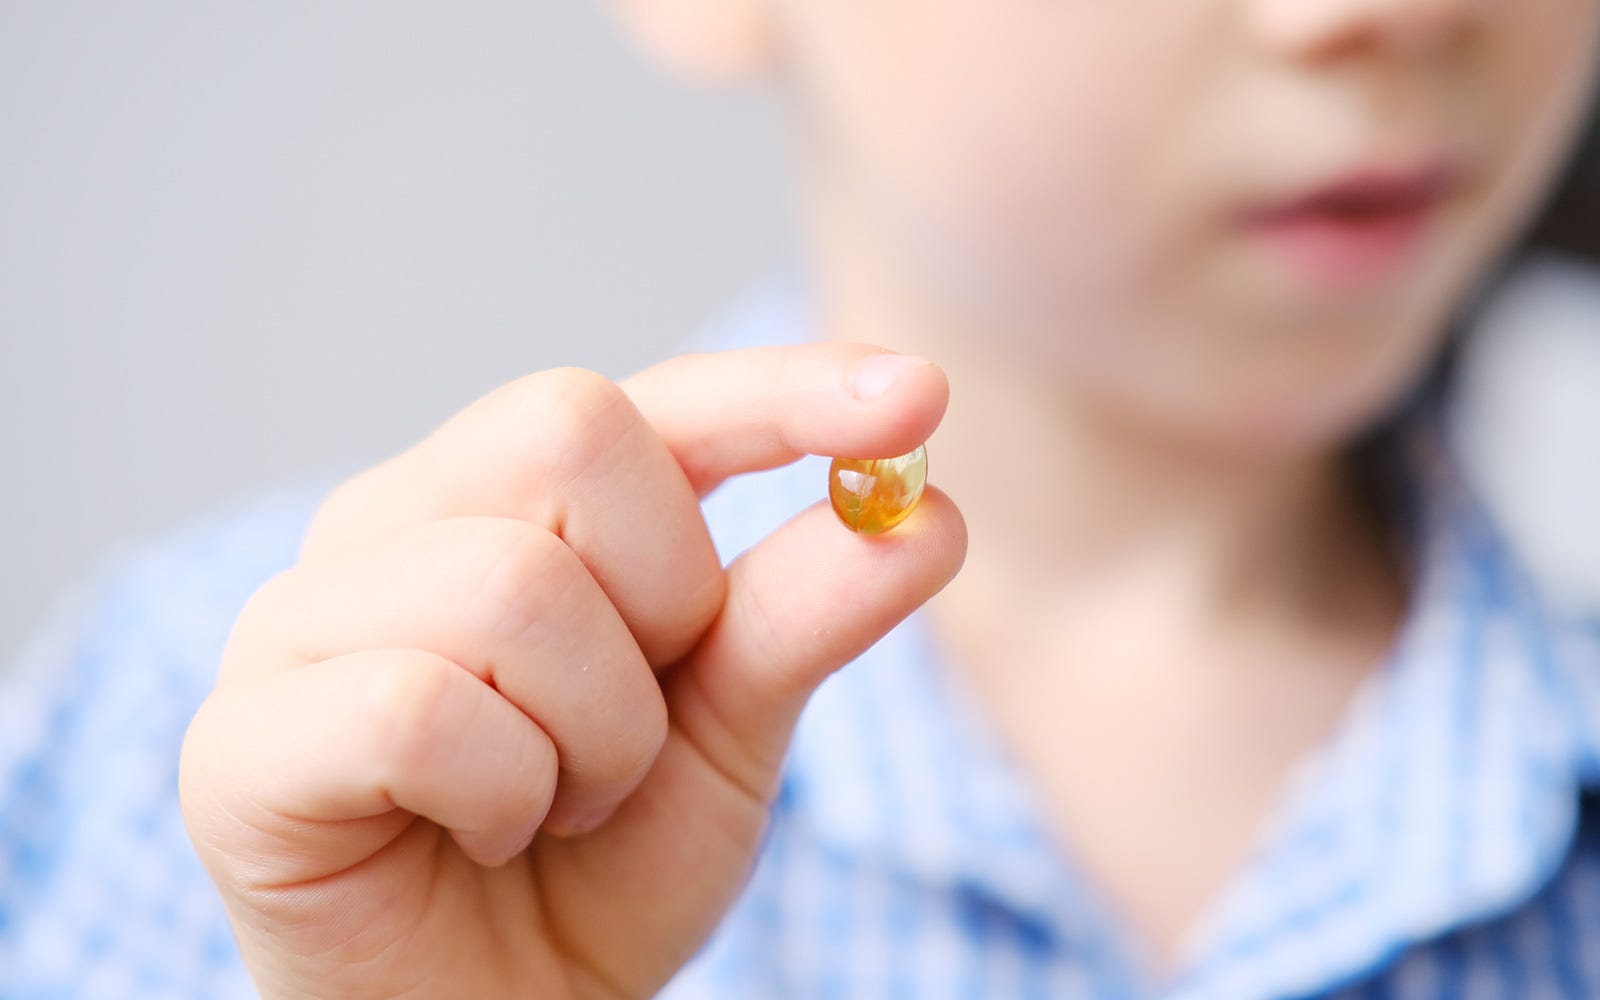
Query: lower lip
(1344,253)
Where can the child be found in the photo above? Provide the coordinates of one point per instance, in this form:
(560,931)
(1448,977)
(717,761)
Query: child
(1237,694)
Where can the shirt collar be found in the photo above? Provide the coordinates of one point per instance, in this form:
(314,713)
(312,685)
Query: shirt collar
(1448,795)
(1451,793)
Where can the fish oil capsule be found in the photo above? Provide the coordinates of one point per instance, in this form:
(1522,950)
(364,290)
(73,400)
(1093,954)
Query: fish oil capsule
(872,495)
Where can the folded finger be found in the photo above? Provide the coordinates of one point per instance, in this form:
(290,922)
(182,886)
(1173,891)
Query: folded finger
(507,601)
(377,737)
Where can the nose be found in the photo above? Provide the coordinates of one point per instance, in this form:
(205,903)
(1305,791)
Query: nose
(1309,28)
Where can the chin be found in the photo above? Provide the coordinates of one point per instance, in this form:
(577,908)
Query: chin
(1320,389)
(1311,418)
(1291,410)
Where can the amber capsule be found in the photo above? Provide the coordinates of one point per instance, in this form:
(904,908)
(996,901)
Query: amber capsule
(872,495)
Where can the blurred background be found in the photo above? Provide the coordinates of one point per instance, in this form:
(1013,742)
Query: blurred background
(241,242)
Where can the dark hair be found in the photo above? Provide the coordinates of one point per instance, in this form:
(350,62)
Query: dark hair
(1570,222)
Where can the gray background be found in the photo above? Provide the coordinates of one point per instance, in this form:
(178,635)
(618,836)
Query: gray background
(239,241)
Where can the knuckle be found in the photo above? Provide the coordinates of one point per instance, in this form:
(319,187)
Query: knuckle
(259,622)
(522,578)
(269,598)
(360,510)
(579,387)
(576,416)
(198,739)
(405,707)
(335,514)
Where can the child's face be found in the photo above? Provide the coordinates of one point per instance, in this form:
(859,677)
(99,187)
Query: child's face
(1251,218)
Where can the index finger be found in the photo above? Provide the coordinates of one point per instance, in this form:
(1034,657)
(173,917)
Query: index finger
(730,412)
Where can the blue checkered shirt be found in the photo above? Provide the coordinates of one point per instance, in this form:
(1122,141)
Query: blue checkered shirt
(1444,843)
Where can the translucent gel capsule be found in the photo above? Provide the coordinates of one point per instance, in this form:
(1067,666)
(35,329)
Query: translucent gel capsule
(872,495)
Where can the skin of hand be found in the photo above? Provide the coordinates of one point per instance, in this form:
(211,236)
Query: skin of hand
(509,727)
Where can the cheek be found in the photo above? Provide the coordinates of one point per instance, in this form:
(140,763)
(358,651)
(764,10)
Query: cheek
(1033,204)
(1001,148)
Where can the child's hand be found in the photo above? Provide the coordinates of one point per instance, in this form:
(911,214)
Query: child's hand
(508,729)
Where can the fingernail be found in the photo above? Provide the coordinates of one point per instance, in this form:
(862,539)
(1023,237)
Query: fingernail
(873,376)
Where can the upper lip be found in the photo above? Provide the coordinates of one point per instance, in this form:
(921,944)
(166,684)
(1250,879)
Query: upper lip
(1367,192)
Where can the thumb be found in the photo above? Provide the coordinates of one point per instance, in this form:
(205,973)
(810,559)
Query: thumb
(807,600)
(674,856)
